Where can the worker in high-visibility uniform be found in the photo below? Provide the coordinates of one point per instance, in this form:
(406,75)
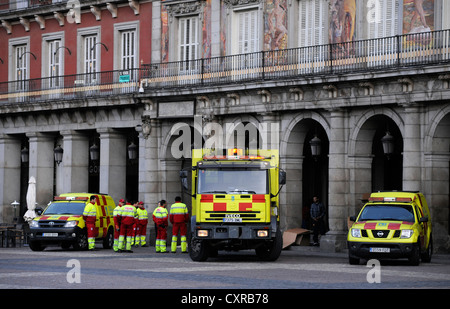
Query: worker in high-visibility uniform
(117,217)
(160,217)
(89,216)
(179,217)
(142,221)
(128,216)
(135,225)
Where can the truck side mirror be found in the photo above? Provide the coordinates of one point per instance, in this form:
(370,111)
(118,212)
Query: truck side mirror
(184,180)
(282,177)
(423,219)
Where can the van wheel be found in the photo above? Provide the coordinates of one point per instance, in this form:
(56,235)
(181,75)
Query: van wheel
(414,259)
(108,241)
(426,257)
(81,242)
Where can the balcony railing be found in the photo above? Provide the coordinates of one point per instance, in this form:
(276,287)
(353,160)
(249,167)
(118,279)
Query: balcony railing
(389,53)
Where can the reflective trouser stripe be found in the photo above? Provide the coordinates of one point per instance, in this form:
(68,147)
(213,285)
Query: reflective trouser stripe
(116,245)
(183,244)
(174,244)
(143,242)
(91,242)
(124,242)
(160,245)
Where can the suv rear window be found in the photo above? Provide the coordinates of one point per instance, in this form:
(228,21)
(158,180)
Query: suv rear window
(387,212)
(60,208)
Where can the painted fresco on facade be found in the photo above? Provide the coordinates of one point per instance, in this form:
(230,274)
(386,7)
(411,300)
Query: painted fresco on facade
(164,34)
(418,18)
(206,30)
(275,25)
(341,28)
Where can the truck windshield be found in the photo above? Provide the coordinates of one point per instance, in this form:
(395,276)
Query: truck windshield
(73,208)
(233,181)
(387,212)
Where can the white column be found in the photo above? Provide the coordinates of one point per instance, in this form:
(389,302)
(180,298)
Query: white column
(42,165)
(10,163)
(113,156)
(412,144)
(334,240)
(75,175)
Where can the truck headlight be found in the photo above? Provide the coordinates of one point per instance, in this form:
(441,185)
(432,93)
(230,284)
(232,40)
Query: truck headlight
(262,233)
(202,233)
(71,224)
(406,233)
(356,233)
(34,223)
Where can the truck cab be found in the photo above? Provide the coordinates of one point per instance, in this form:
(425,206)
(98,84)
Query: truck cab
(235,203)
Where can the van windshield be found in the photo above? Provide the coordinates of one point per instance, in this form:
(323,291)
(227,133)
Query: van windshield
(387,212)
(72,208)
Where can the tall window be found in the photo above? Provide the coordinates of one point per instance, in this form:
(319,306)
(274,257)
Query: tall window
(128,49)
(21,66)
(90,61)
(313,22)
(313,35)
(248,38)
(382,18)
(54,61)
(188,36)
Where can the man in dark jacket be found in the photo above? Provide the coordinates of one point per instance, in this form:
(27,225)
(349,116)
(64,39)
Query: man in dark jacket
(317,214)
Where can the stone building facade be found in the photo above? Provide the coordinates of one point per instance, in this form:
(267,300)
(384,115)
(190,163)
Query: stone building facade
(341,77)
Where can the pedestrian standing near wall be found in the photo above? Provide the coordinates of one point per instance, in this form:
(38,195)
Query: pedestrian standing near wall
(128,215)
(117,217)
(141,230)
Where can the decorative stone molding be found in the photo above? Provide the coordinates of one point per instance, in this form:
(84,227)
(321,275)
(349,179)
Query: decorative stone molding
(134,5)
(7,25)
(59,17)
(368,88)
(40,20)
(184,8)
(234,3)
(97,12)
(112,8)
(235,99)
(332,91)
(298,94)
(265,95)
(407,84)
(25,23)
(445,80)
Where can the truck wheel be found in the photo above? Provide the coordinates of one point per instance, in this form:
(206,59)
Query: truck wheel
(81,242)
(271,250)
(198,250)
(36,246)
(108,241)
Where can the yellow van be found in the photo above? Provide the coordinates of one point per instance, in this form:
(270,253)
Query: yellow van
(62,222)
(392,225)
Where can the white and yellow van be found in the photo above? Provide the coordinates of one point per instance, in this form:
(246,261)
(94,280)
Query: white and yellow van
(62,222)
(392,225)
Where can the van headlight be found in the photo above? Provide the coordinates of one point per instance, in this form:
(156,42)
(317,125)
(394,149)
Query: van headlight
(71,224)
(34,223)
(407,233)
(356,233)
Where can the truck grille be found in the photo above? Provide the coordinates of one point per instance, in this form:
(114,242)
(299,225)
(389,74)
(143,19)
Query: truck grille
(51,223)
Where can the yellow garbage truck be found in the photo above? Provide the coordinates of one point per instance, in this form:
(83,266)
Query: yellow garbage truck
(235,202)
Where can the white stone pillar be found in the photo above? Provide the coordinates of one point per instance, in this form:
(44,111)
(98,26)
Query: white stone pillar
(10,163)
(42,165)
(334,240)
(113,156)
(149,172)
(412,145)
(75,175)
